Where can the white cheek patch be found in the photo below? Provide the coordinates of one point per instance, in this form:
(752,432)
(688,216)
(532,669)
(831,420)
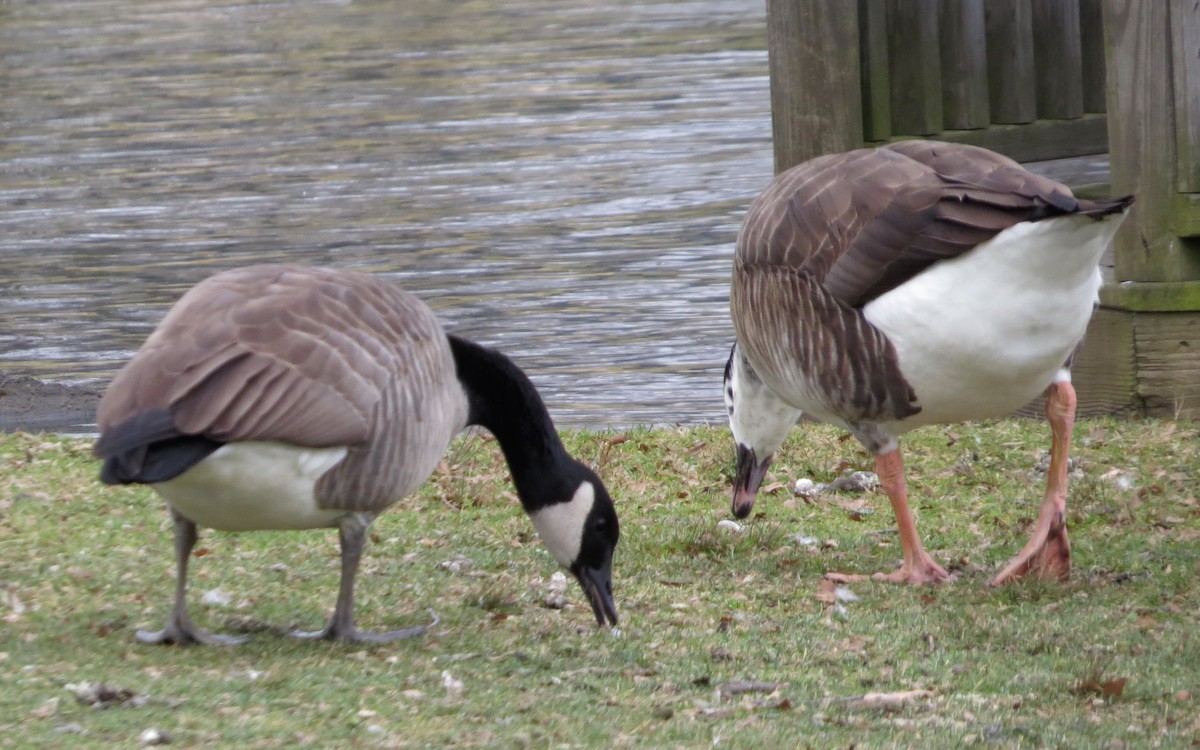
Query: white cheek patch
(561,525)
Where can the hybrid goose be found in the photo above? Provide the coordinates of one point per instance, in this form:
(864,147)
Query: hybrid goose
(918,283)
(287,397)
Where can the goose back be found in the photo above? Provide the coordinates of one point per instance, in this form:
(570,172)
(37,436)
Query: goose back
(304,356)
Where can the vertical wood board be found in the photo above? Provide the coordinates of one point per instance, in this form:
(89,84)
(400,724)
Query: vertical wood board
(1058,59)
(1185,25)
(963,36)
(876,73)
(1142,138)
(816,97)
(1091,35)
(1012,92)
(916,67)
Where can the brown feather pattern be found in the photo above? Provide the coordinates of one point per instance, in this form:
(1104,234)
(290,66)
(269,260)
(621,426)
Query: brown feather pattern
(830,235)
(307,356)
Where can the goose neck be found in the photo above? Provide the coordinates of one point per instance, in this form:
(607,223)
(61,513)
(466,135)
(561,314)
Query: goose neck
(502,399)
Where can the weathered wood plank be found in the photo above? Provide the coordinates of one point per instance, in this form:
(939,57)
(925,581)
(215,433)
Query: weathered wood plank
(913,50)
(1167,347)
(1185,23)
(1036,141)
(816,97)
(1187,214)
(1091,34)
(1012,94)
(876,70)
(1152,296)
(1143,141)
(1103,370)
(1058,59)
(963,36)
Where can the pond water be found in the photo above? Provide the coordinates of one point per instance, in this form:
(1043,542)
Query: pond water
(561,180)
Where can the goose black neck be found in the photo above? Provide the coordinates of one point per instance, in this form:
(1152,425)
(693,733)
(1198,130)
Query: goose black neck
(501,398)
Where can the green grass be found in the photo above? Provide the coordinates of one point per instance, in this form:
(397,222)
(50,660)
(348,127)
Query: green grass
(1110,659)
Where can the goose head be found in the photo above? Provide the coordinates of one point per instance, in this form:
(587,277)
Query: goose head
(759,421)
(580,529)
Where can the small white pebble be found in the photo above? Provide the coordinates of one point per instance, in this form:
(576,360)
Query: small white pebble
(729,525)
(453,685)
(154,736)
(805,487)
(216,597)
(844,594)
(804,541)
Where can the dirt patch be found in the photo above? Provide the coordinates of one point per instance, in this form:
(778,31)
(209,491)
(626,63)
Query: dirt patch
(34,405)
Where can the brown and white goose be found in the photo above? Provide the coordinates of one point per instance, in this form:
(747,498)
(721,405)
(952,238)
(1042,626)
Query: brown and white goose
(918,283)
(288,397)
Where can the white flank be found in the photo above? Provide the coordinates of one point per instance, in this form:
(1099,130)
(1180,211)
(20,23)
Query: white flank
(984,333)
(561,525)
(254,486)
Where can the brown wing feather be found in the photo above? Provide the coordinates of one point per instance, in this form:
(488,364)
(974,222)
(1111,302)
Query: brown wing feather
(866,221)
(271,353)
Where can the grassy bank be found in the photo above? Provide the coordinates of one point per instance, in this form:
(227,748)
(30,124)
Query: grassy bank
(728,638)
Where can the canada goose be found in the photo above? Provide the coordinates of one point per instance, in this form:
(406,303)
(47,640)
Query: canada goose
(918,283)
(287,397)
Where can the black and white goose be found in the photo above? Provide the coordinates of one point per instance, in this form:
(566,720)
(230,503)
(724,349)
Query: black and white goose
(288,397)
(918,283)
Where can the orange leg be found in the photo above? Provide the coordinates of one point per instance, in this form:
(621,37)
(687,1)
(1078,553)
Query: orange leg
(918,566)
(1047,554)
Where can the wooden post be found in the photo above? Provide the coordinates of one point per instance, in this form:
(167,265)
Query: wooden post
(1185,22)
(1145,139)
(1153,61)
(816,99)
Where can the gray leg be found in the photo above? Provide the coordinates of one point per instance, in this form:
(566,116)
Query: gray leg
(179,628)
(352,533)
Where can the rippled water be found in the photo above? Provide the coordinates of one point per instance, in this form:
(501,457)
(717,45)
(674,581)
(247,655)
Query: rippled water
(562,180)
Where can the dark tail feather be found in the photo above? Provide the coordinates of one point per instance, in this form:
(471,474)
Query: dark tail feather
(146,448)
(1106,207)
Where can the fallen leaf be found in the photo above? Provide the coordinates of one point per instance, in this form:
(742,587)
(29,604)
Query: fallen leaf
(1107,689)
(827,591)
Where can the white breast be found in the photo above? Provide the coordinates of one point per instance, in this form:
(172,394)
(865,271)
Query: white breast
(982,334)
(255,486)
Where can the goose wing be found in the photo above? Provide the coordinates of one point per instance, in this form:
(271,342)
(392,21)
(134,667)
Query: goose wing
(287,353)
